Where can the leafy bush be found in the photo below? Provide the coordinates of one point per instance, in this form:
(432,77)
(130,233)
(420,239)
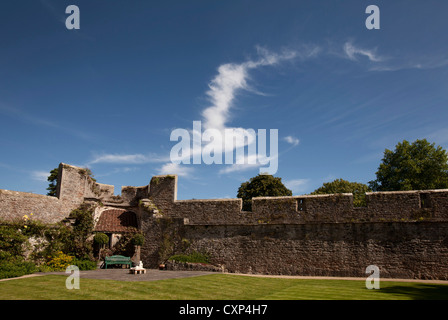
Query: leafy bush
(194,257)
(58,239)
(12,240)
(101,238)
(15,267)
(28,246)
(12,243)
(54,247)
(84,264)
(81,264)
(138,239)
(79,244)
(60,261)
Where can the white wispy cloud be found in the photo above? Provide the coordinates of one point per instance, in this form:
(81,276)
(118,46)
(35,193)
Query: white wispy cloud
(231,78)
(419,63)
(136,158)
(173,168)
(352,52)
(251,161)
(238,168)
(247,162)
(292,140)
(388,62)
(117,171)
(40,175)
(384,62)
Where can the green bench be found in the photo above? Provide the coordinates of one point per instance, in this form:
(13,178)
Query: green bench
(118,260)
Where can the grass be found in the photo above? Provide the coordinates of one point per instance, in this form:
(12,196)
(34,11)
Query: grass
(216,287)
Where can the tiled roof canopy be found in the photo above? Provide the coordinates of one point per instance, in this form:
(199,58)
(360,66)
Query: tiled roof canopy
(117,220)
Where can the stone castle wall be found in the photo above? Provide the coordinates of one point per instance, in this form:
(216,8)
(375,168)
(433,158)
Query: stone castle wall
(73,188)
(381,206)
(404,233)
(14,205)
(399,249)
(408,250)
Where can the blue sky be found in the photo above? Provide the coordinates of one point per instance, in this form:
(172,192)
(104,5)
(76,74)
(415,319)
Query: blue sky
(107,96)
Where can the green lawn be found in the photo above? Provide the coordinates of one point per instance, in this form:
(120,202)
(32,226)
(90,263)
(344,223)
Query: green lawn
(216,287)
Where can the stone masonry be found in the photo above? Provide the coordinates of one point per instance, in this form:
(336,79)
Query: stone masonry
(404,233)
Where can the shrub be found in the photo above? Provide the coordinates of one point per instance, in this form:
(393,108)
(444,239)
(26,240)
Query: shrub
(12,240)
(78,243)
(84,264)
(138,239)
(33,228)
(58,239)
(101,238)
(54,246)
(15,267)
(194,257)
(60,261)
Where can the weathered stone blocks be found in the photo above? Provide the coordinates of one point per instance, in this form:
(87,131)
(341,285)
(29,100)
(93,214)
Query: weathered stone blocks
(404,233)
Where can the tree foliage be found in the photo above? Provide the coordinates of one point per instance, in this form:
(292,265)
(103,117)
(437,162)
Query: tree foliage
(53,179)
(138,239)
(101,238)
(412,166)
(342,186)
(80,246)
(261,186)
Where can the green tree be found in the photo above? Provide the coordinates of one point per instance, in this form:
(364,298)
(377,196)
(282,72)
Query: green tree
(53,179)
(78,244)
(101,238)
(412,166)
(342,186)
(262,185)
(138,239)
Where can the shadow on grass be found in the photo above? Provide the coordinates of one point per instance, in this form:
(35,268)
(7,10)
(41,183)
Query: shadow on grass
(419,292)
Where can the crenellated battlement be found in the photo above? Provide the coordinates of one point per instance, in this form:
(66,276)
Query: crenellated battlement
(381,206)
(403,233)
(75,186)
